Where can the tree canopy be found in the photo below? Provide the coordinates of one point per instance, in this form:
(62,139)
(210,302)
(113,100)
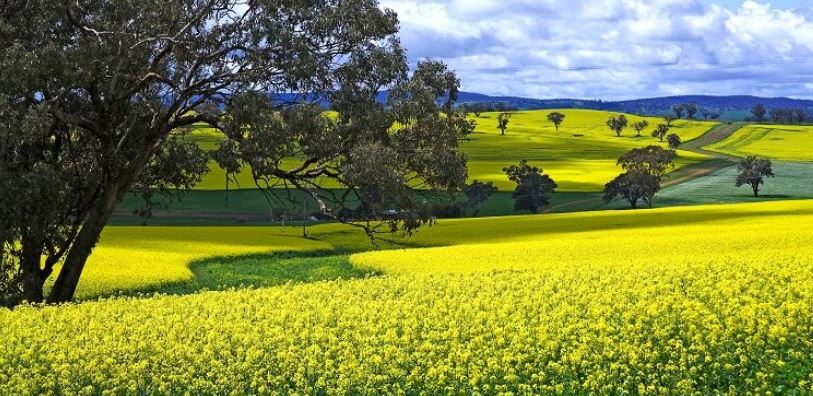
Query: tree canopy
(644,169)
(617,124)
(556,118)
(752,171)
(534,187)
(478,193)
(95,97)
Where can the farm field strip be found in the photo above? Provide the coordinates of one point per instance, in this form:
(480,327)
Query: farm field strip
(780,142)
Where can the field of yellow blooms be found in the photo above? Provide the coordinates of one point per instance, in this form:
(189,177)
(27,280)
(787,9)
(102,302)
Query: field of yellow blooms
(694,300)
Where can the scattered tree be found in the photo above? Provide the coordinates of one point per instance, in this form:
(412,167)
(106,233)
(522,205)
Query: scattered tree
(678,110)
(660,132)
(691,109)
(752,171)
(556,118)
(669,120)
(674,141)
(95,99)
(617,124)
(534,187)
(632,186)
(640,126)
(759,112)
(644,168)
(502,122)
(705,113)
(478,193)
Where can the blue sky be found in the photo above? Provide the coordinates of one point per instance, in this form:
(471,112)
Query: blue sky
(616,49)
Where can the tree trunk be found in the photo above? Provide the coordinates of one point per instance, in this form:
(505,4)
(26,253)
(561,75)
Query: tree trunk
(634,203)
(30,272)
(756,190)
(68,278)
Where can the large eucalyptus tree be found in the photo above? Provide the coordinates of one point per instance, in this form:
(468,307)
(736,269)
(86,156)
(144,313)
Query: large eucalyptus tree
(96,96)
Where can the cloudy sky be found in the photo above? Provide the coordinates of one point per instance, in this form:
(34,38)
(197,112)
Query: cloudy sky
(616,49)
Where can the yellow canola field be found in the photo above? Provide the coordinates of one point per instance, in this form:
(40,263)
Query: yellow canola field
(581,156)
(693,300)
(781,142)
(139,258)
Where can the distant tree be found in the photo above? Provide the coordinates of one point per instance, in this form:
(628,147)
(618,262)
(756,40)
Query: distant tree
(502,122)
(477,193)
(556,118)
(752,171)
(714,115)
(669,120)
(644,168)
(534,187)
(640,126)
(678,110)
(691,109)
(705,113)
(660,132)
(800,115)
(759,112)
(617,124)
(674,141)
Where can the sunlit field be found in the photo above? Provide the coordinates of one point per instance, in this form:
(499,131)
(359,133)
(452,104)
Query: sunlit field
(702,299)
(580,157)
(781,142)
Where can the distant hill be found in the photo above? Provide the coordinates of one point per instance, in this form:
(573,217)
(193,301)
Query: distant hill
(732,107)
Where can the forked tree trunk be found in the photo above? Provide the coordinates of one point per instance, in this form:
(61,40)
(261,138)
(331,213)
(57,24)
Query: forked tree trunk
(756,190)
(66,282)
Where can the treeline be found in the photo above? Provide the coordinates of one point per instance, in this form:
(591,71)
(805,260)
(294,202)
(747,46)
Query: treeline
(779,115)
(485,107)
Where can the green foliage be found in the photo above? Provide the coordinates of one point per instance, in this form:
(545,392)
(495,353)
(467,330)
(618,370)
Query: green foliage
(640,126)
(674,141)
(752,171)
(502,122)
(534,187)
(617,124)
(95,99)
(644,169)
(477,193)
(758,112)
(661,131)
(556,118)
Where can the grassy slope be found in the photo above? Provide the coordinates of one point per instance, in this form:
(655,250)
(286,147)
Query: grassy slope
(580,157)
(780,142)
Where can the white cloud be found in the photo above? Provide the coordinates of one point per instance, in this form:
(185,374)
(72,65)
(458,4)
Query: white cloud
(616,48)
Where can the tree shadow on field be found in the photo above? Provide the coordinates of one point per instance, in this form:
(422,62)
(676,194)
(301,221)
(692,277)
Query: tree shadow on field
(256,271)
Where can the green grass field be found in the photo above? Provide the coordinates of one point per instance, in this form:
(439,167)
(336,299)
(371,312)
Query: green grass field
(780,142)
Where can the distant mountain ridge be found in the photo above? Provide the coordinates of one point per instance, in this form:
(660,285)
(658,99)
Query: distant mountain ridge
(725,104)
(735,107)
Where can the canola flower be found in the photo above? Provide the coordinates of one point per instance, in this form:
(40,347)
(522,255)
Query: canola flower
(677,301)
(137,258)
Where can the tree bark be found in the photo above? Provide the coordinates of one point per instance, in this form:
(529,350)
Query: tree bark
(30,272)
(756,191)
(66,282)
